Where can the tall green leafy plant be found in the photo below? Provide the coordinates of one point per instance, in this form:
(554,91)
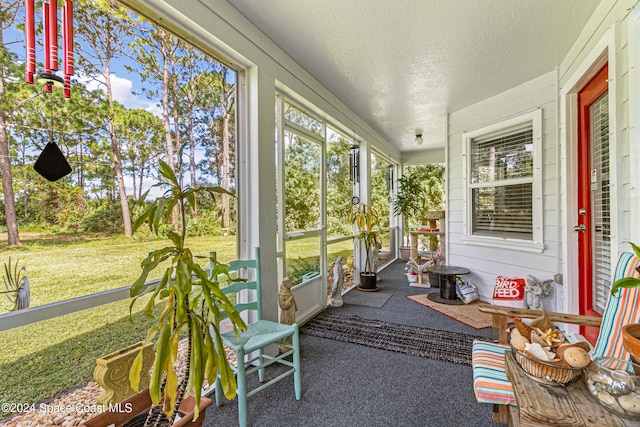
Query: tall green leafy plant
(408,200)
(365,218)
(193,305)
(627,282)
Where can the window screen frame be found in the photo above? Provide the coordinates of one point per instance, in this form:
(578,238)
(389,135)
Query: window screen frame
(531,120)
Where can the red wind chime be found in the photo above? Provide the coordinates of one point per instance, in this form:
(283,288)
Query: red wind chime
(51,163)
(50,34)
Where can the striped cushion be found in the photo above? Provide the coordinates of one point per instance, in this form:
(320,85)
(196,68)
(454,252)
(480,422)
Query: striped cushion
(490,382)
(622,309)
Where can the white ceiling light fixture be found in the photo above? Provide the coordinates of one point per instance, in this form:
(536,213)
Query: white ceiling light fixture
(419,139)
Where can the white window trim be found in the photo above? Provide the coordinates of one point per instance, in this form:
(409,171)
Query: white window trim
(634,118)
(536,244)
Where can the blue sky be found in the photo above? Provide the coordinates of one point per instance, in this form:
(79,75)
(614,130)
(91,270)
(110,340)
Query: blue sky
(122,81)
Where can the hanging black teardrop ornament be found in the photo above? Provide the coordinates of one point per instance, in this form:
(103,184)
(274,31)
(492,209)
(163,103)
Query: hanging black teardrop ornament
(51,163)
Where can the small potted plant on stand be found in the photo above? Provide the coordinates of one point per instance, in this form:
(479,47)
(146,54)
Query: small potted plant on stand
(407,203)
(192,306)
(365,218)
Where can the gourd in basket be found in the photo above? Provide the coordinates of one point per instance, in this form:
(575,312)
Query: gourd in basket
(542,351)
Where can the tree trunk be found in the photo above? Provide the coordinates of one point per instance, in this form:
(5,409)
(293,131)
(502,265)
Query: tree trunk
(225,157)
(192,161)
(13,239)
(175,221)
(165,108)
(117,164)
(117,161)
(226,170)
(141,176)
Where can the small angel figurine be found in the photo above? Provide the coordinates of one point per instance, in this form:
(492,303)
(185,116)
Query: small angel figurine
(288,307)
(535,290)
(338,280)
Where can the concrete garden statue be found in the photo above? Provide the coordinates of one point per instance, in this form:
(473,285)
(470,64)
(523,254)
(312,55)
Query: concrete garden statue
(338,281)
(535,290)
(288,308)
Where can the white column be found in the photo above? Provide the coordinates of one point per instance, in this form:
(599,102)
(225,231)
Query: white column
(257,186)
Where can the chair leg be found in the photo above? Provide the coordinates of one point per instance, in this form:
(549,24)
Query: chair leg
(260,368)
(241,391)
(218,391)
(297,381)
(501,414)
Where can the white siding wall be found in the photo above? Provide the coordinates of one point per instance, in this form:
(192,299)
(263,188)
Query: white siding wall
(606,35)
(609,23)
(605,38)
(485,262)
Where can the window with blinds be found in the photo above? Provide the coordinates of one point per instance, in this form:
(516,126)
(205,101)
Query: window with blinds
(501,180)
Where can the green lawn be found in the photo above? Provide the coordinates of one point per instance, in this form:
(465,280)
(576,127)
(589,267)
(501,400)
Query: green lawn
(38,361)
(60,268)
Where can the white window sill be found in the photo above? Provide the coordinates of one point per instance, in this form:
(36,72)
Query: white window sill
(504,243)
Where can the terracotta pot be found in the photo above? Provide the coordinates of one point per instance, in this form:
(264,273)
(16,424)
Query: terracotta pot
(631,340)
(141,402)
(405,253)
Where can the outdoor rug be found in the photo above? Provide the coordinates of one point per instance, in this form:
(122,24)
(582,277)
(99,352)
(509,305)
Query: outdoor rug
(423,342)
(465,313)
(369,299)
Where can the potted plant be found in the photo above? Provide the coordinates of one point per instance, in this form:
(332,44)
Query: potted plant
(630,332)
(407,203)
(192,306)
(365,219)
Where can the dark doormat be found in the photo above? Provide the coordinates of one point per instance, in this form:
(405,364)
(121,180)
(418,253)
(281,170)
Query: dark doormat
(369,299)
(423,342)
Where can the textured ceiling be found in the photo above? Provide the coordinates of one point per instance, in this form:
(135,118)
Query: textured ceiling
(402,65)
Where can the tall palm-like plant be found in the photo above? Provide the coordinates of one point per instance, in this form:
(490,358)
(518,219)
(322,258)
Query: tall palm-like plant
(193,304)
(408,200)
(365,218)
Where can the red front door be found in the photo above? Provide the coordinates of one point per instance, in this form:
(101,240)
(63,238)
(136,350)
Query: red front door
(593,229)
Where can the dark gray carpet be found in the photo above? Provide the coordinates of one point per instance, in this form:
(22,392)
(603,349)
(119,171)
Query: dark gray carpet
(351,385)
(433,344)
(368,299)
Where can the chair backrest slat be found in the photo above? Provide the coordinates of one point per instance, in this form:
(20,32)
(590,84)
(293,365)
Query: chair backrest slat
(255,302)
(621,309)
(239,286)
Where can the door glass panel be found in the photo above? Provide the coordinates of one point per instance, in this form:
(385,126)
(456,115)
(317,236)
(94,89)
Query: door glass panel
(303,259)
(380,190)
(600,200)
(301,183)
(339,186)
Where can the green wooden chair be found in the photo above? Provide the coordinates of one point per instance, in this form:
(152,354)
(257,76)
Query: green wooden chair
(260,333)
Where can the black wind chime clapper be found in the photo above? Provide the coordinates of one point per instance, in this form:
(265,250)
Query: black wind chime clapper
(51,163)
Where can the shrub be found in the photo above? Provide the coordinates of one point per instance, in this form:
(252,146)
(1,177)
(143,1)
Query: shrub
(204,225)
(105,217)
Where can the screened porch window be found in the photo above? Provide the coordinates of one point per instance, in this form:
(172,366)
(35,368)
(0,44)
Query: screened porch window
(503,201)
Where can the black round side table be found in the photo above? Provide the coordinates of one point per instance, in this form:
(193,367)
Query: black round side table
(447,278)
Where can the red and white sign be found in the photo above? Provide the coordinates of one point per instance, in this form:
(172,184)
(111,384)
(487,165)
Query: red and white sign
(509,291)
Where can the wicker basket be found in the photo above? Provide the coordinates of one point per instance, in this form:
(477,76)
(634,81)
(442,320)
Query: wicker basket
(544,372)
